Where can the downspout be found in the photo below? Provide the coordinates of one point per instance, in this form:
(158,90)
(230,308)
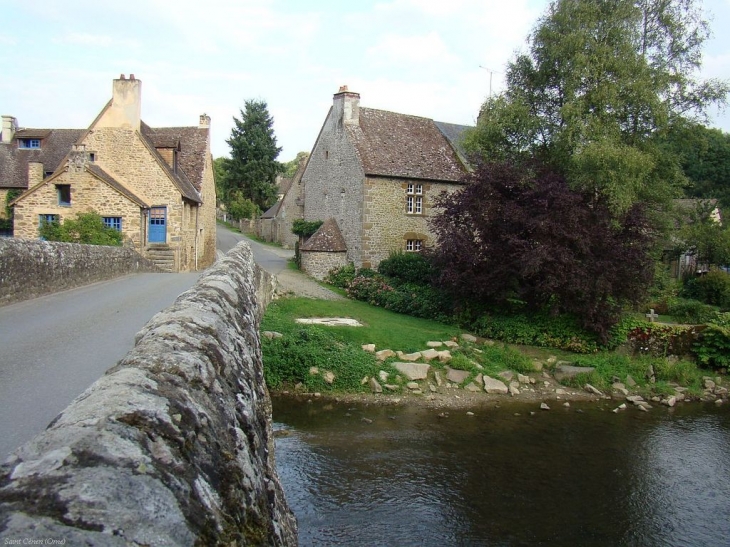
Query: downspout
(197,218)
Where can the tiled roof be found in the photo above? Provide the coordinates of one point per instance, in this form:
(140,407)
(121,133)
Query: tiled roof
(402,146)
(272,211)
(193,147)
(14,161)
(185,163)
(327,239)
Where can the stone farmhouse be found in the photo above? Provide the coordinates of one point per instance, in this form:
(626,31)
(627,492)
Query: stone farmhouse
(372,177)
(155,185)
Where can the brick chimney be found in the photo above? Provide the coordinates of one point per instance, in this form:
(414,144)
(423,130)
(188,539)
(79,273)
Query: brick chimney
(347,105)
(204,121)
(127,102)
(10,125)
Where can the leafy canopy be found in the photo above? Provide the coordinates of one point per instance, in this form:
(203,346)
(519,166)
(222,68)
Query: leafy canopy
(86,228)
(252,167)
(601,81)
(518,233)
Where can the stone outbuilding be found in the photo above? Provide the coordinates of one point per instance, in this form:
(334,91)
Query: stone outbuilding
(324,251)
(375,174)
(155,185)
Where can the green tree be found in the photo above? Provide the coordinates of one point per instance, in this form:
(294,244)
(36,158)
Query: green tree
(601,83)
(704,155)
(252,168)
(290,167)
(220,174)
(86,228)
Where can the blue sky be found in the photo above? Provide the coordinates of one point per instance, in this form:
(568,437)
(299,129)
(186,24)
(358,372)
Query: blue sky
(420,57)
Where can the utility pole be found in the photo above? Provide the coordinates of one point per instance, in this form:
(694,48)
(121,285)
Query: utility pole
(491,73)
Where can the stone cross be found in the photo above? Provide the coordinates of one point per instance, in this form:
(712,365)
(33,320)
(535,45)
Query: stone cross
(651,316)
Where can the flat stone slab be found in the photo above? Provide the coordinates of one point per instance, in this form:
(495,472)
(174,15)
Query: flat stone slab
(330,321)
(456,376)
(429,354)
(413,371)
(492,385)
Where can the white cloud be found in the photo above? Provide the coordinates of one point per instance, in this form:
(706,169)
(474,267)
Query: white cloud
(393,49)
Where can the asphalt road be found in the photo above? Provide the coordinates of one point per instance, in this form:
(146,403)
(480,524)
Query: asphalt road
(271,259)
(53,347)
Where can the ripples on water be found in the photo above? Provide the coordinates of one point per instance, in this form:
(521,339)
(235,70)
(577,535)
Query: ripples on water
(552,478)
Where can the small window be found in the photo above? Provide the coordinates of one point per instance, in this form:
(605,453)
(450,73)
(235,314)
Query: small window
(92,156)
(414,199)
(29,143)
(113,222)
(414,245)
(64,194)
(47,219)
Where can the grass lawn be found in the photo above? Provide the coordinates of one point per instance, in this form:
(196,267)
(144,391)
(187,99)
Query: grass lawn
(385,329)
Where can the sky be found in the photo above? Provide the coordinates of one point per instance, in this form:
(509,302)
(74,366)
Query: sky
(431,58)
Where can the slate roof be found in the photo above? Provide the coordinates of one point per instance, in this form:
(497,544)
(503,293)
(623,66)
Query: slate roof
(327,239)
(403,146)
(272,211)
(14,161)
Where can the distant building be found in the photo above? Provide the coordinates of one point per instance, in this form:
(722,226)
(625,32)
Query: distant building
(375,175)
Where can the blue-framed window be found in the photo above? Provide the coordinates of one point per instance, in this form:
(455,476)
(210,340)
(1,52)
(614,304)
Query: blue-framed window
(47,219)
(64,194)
(29,143)
(113,222)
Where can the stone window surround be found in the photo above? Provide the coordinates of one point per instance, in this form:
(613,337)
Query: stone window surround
(414,245)
(414,199)
(64,194)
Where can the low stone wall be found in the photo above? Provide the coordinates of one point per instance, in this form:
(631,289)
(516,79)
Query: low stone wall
(319,264)
(173,445)
(30,267)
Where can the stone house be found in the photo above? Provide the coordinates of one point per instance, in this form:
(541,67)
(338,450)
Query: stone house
(276,223)
(20,148)
(155,185)
(376,174)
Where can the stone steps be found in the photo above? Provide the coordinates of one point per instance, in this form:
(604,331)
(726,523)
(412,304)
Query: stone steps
(162,256)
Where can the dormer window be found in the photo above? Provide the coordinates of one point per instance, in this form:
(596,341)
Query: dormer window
(29,143)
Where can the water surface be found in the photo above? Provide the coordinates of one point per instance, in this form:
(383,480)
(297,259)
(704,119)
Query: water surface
(360,475)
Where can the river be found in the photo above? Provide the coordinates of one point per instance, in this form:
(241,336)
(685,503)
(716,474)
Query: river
(366,475)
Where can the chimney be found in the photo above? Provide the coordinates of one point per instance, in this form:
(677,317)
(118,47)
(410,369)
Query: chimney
(204,121)
(10,125)
(348,105)
(35,173)
(127,102)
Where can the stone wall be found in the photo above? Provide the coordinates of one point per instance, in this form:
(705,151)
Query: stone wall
(173,445)
(333,183)
(387,225)
(32,268)
(319,264)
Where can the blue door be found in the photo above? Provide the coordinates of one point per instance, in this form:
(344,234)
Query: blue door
(158,221)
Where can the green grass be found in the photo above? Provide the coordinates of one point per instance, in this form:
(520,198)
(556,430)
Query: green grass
(385,329)
(287,360)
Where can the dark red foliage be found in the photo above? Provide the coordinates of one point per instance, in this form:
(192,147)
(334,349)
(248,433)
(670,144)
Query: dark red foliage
(520,233)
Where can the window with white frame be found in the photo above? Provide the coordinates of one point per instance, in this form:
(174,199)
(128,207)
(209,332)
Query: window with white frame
(414,245)
(414,199)
(113,222)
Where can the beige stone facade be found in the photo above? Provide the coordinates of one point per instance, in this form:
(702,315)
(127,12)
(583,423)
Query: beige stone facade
(319,264)
(158,183)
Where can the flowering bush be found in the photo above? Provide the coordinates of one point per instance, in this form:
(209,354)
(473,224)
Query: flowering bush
(663,340)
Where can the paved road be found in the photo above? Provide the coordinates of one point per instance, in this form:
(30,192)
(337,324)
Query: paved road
(272,259)
(53,347)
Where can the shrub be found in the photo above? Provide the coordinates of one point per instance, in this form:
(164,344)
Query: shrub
(662,340)
(690,311)
(240,207)
(305,228)
(341,277)
(537,329)
(407,267)
(713,346)
(87,228)
(711,288)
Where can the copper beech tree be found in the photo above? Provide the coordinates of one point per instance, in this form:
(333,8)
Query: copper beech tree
(518,232)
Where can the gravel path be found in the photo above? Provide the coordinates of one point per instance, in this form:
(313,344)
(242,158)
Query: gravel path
(291,282)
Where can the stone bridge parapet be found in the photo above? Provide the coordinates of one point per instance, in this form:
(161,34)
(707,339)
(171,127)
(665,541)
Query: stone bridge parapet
(173,445)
